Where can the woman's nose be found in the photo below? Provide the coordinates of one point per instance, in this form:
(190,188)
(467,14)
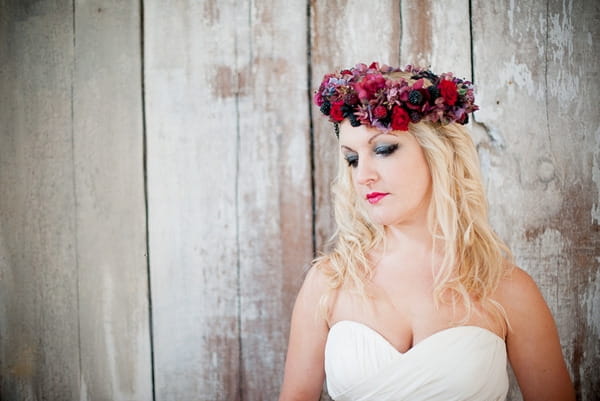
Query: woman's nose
(365,172)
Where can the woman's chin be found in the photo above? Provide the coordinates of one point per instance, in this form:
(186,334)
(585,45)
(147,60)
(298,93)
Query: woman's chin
(381,219)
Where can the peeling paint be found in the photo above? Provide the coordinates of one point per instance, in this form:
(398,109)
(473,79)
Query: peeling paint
(211,13)
(591,299)
(560,51)
(514,73)
(596,178)
(511,16)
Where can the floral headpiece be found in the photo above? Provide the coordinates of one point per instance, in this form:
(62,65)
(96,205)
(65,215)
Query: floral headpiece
(380,97)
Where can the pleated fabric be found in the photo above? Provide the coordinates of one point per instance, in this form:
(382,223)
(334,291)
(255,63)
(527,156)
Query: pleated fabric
(464,363)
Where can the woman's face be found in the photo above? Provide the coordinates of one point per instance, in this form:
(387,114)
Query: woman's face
(389,172)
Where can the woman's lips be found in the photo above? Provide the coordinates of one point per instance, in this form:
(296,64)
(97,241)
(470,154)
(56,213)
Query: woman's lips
(375,197)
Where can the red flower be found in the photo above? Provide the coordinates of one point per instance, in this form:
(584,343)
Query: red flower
(336,111)
(400,119)
(380,112)
(448,91)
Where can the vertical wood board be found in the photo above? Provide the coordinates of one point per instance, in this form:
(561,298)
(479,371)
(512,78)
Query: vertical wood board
(274,193)
(539,134)
(436,34)
(111,229)
(39,356)
(191,111)
(338,43)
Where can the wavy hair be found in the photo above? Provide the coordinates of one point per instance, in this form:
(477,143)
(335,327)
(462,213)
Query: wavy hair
(474,259)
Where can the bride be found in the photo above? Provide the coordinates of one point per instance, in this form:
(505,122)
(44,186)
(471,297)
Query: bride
(418,300)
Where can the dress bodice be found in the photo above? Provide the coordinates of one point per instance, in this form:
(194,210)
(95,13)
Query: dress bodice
(464,363)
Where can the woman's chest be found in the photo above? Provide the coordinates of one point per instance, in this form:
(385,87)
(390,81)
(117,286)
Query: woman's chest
(403,310)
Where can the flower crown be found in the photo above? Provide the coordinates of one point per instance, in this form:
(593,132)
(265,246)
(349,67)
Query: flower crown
(381,98)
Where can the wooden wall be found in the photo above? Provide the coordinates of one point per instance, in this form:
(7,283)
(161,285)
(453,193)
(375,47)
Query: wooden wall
(164,179)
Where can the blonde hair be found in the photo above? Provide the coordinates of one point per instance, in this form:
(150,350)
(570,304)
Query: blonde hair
(474,258)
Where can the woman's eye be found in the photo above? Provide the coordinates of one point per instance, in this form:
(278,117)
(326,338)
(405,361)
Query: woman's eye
(352,160)
(386,150)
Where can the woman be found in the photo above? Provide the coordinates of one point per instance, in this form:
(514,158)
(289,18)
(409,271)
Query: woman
(418,299)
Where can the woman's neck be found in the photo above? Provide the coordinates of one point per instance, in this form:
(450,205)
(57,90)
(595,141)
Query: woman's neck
(409,239)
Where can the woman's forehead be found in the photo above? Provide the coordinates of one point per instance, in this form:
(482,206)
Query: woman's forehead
(367,136)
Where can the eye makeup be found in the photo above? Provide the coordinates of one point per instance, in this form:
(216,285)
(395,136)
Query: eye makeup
(351,158)
(385,149)
(381,149)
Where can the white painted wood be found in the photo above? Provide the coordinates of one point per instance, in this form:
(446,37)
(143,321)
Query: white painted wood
(191,83)
(436,34)
(344,33)
(110,214)
(229,178)
(39,356)
(539,144)
(274,186)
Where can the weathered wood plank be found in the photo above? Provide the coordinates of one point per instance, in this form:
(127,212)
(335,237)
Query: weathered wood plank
(341,36)
(274,186)
(111,226)
(39,356)
(340,42)
(539,138)
(572,77)
(436,34)
(191,108)
(509,74)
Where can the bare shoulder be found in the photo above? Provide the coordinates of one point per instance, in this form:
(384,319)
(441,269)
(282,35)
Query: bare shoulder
(304,372)
(532,342)
(518,289)
(315,276)
(525,307)
(315,285)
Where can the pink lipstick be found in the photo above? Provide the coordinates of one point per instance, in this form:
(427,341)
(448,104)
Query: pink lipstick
(375,197)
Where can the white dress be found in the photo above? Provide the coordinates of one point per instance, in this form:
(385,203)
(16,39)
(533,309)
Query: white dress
(464,363)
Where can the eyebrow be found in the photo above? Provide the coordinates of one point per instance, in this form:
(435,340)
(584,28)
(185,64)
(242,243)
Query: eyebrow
(369,142)
(375,136)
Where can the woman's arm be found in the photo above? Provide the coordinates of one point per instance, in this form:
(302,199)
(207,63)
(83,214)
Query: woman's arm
(533,345)
(304,369)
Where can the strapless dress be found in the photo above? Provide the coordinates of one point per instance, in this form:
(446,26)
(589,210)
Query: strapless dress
(463,363)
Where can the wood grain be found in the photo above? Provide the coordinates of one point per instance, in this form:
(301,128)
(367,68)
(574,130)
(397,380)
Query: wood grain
(274,186)
(232,141)
(342,36)
(343,33)
(191,109)
(435,34)
(39,355)
(110,214)
(538,139)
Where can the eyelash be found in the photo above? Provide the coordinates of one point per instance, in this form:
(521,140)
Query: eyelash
(382,150)
(386,150)
(352,160)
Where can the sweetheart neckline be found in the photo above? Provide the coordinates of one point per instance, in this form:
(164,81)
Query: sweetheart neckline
(434,335)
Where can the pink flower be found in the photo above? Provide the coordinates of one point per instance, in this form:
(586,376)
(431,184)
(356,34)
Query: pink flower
(369,85)
(318,98)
